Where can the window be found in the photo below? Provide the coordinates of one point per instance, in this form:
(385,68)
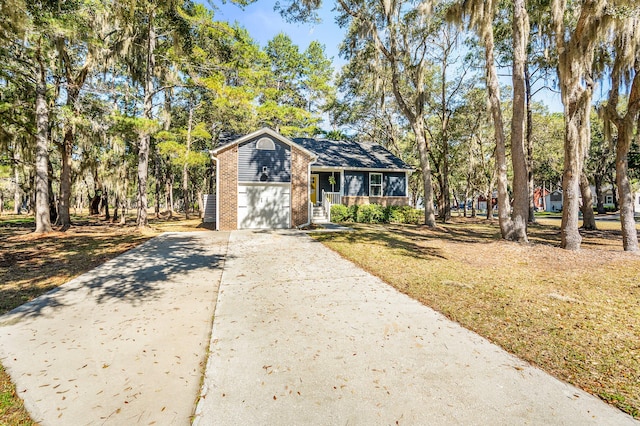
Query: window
(375,184)
(609,199)
(265,144)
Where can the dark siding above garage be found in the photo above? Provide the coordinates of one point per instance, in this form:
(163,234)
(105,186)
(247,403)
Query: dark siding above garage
(395,185)
(251,162)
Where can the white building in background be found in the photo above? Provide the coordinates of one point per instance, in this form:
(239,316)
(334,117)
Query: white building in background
(553,200)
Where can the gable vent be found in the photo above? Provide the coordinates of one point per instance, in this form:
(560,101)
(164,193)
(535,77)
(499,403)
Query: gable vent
(265,144)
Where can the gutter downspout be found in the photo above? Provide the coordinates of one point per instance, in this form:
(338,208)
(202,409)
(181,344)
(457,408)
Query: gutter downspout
(215,159)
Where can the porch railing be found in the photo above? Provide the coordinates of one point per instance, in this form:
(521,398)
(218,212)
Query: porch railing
(328,199)
(333,197)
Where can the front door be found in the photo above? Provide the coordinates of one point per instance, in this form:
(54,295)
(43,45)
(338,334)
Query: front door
(314,189)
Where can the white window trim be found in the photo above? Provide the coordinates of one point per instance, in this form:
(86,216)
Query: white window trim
(371,185)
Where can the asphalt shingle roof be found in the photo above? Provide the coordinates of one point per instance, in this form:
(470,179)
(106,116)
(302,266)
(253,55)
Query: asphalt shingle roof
(340,154)
(351,154)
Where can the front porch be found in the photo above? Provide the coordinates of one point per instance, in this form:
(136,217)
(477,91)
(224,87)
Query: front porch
(355,187)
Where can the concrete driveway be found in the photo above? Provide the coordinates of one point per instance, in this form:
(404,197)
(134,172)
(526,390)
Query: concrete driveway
(302,336)
(123,344)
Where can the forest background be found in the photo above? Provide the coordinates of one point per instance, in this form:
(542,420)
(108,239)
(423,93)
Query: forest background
(114,104)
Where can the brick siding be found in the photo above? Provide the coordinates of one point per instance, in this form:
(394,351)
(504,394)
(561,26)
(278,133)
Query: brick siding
(384,201)
(228,189)
(299,187)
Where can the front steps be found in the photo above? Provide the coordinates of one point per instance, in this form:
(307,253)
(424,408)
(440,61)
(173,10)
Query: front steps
(319,215)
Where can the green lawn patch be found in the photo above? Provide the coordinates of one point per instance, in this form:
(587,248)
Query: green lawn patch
(574,314)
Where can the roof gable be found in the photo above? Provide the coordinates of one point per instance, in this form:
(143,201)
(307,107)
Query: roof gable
(233,141)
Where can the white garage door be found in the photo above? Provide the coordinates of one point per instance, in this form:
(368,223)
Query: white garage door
(263,206)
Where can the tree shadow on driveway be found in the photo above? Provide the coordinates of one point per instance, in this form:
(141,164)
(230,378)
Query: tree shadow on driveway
(135,277)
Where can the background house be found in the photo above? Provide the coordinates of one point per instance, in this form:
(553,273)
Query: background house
(553,201)
(539,198)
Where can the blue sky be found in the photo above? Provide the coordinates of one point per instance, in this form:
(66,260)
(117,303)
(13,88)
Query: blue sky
(263,23)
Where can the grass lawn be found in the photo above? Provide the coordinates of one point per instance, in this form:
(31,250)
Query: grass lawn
(574,314)
(31,265)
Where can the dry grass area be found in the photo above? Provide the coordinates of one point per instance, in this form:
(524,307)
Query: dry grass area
(574,314)
(31,265)
(12,411)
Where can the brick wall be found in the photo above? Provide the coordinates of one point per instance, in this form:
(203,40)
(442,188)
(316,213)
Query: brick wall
(299,187)
(228,189)
(384,201)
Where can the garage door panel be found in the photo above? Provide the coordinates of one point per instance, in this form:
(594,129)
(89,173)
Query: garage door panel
(263,206)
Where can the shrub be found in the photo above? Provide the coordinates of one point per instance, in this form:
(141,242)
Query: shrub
(411,215)
(394,214)
(375,213)
(353,213)
(370,213)
(340,213)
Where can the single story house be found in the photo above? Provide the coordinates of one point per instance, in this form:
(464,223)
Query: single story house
(266,180)
(553,200)
(481,202)
(539,198)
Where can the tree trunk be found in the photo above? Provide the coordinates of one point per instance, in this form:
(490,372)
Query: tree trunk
(445,214)
(124,201)
(64,216)
(625,134)
(599,194)
(446,193)
(105,203)
(466,197)
(94,204)
(520,216)
(143,164)
(158,179)
(17,196)
(575,59)
(490,204)
(576,137)
(490,185)
(43,220)
(53,200)
(588,219)
(185,168)
(170,192)
(115,209)
(200,204)
(614,193)
(627,220)
(529,143)
(66,150)
(493,89)
(425,166)
(144,139)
